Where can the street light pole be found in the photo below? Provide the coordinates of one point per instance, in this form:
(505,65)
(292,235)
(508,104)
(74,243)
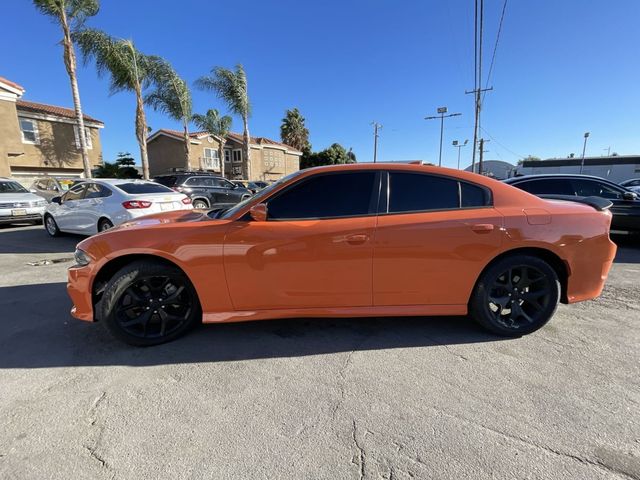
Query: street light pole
(441,115)
(459,145)
(584,149)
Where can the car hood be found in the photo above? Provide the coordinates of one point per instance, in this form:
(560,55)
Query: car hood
(19,197)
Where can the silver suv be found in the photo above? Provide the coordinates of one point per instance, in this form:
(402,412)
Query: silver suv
(17,205)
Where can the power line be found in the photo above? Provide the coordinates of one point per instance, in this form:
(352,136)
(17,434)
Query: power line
(506,148)
(495,47)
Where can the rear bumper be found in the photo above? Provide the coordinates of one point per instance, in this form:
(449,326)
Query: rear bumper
(589,269)
(79,289)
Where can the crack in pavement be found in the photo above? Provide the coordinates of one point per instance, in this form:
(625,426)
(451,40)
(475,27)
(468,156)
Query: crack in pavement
(362,456)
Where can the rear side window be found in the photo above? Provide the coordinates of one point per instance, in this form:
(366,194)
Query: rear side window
(166,181)
(588,188)
(327,196)
(414,192)
(97,191)
(139,188)
(473,196)
(75,193)
(547,186)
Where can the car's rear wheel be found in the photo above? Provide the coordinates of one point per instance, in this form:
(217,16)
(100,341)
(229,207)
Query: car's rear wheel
(200,204)
(149,303)
(516,295)
(104,225)
(51,226)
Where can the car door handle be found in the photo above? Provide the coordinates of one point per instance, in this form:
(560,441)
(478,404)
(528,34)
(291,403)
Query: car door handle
(482,227)
(357,238)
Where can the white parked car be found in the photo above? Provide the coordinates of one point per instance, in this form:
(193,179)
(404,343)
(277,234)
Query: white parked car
(18,205)
(97,205)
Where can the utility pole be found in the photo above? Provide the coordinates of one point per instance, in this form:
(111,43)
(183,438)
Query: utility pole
(482,152)
(584,149)
(376,127)
(441,115)
(459,145)
(608,149)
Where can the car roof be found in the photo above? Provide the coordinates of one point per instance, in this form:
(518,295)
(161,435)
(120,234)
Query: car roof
(115,181)
(555,175)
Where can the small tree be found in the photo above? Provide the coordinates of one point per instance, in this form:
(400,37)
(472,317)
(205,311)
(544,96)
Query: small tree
(71,14)
(218,126)
(123,167)
(231,86)
(293,131)
(336,154)
(171,96)
(129,70)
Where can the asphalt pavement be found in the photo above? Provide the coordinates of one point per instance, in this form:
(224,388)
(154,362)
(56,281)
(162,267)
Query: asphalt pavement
(394,398)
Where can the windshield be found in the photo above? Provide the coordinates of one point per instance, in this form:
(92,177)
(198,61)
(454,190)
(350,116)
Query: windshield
(258,196)
(12,187)
(138,188)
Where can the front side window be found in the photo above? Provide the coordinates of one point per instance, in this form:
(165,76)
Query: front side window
(547,186)
(589,188)
(87,135)
(414,192)
(97,191)
(326,196)
(75,193)
(29,129)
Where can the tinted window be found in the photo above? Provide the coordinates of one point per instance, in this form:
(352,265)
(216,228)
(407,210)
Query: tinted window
(136,188)
(557,186)
(473,196)
(75,193)
(194,182)
(410,192)
(588,188)
(222,183)
(337,195)
(97,191)
(166,181)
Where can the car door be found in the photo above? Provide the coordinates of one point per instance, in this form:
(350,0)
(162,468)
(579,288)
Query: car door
(224,191)
(315,249)
(93,206)
(66,214)
(626,211)
(434,236)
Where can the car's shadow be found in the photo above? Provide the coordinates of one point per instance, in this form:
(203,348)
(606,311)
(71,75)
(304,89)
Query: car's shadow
(628,247)
(29,239)
(43,334)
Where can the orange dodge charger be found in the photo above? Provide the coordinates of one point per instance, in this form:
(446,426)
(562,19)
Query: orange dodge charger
(348,241)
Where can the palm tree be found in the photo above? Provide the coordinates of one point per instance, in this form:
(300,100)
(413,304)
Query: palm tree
(293,131)
(215,124)
(129,70)
(231,86)
(171,96)
(72,14)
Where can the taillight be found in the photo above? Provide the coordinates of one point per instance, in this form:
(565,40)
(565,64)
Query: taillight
(132,204)
(186,200)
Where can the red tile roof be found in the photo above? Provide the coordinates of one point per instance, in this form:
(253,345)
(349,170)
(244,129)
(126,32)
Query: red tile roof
(51,110)
(237,137)
(11,84)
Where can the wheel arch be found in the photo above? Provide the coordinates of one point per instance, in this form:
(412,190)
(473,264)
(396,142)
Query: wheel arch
(109,269)
(558,265)
(203,198)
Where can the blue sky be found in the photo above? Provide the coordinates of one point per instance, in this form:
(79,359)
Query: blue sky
(562,68)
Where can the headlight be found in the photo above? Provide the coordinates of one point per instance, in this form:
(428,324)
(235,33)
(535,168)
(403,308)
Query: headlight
(41,203)
(82,258)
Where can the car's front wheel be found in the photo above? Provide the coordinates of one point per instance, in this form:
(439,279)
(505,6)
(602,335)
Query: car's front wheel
(200,204)
(104,225)
(51,226)
(517,295)
(148,303)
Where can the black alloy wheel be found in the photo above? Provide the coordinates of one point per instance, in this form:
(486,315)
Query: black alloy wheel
(516,296)
(149,303)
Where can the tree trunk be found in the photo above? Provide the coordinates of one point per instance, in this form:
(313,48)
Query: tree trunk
(221,156)
(70,64)
(247,145)
(187,145)
(141,131)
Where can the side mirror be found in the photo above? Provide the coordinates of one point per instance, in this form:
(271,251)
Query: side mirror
(57,200)
(259,212)
(630,196)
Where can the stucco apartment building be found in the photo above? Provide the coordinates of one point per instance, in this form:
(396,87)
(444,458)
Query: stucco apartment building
(38,139)
(270,160)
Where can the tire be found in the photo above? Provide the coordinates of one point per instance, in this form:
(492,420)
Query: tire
(104,224)
(148,303)
(515,296)
(200,204)
(51,226)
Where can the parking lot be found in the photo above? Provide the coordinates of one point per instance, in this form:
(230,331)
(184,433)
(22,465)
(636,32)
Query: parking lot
(392,398)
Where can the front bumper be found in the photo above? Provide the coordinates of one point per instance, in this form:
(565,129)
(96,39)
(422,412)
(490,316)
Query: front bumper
(30,214)
(79,289)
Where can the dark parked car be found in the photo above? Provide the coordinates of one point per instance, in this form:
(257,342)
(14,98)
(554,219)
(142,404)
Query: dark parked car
(253,186)
(205,191)
(632,184)
(626,204)
(49,187)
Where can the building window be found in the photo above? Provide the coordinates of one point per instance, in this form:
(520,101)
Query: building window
(29,129)
(272,159)
(210,161)
(237,156)
(227,156)
(87,135)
